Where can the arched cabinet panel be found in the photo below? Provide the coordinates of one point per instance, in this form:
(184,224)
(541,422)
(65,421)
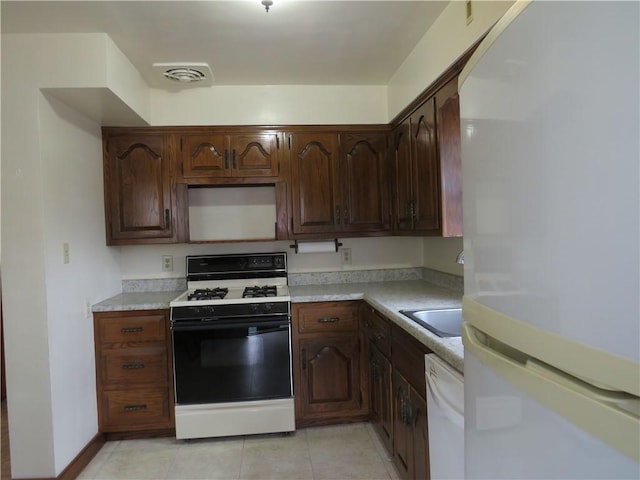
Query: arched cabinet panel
(140,202)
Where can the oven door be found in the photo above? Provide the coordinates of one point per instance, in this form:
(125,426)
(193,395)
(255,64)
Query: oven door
(232,360)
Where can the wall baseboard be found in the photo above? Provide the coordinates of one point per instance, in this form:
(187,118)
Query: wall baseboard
(83,458)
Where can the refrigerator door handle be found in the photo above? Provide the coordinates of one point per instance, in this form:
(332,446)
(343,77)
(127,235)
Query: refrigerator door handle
(583,404)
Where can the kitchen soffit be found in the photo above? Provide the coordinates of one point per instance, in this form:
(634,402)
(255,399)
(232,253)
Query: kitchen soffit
(295,43)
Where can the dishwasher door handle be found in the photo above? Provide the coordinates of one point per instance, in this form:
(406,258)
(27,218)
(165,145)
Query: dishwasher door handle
(448,408)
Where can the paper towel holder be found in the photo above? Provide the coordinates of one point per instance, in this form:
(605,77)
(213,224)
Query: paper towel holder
(297,243)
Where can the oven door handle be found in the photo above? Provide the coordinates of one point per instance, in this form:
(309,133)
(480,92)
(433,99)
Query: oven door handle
(219,324)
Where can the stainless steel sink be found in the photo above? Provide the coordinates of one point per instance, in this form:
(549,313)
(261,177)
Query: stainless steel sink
(445,322)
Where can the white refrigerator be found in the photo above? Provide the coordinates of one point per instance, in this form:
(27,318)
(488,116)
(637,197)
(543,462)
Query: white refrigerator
(550,112)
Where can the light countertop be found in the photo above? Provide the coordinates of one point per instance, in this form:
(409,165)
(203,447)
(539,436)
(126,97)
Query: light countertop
(136,301)
(386,297)
(391,297)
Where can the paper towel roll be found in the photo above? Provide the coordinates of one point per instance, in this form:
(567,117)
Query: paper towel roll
(323,246)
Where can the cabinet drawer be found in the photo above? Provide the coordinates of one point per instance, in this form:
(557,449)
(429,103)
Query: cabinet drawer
(135,328)
(377,330)
(139,408)
(135,365)
(334,317)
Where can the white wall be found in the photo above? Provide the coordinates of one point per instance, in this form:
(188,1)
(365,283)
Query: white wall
(440,254)
(447,39)
(73,213)
(141,262)
(270,105)
(51,193)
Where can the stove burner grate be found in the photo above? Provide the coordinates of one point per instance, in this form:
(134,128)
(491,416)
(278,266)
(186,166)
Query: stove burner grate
(208,294)
(264,291)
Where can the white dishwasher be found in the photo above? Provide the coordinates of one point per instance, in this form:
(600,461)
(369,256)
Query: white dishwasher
(445,411)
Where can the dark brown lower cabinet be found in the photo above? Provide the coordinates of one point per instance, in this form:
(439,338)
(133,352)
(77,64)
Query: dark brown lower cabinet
(134,372)
(411,454)
(327,351)
(380,396)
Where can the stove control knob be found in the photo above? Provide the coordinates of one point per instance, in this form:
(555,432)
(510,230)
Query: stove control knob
(255,308)
(267,307)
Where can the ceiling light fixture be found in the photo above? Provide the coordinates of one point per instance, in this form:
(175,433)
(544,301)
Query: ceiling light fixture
(267,4)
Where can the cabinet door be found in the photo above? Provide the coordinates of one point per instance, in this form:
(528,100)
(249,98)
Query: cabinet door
(314,167)
(449,152)
(380,396)
(205,156)
(138,199)
(330,370)
(254,154)
(426,215)
(402,428)
(364,204)
(420,436)
(403,200)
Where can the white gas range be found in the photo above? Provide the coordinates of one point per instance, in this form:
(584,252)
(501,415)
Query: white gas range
(231,333)
(224,292)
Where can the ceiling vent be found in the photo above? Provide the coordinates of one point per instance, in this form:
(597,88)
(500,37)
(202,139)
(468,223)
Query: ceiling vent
(185,74)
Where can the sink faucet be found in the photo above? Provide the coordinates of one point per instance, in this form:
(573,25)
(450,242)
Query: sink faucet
(460,258)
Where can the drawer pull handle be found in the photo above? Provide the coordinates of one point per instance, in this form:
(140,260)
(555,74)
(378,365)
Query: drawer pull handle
(304,359)
(133,366)
(132,330)
(131,408)
(329,319)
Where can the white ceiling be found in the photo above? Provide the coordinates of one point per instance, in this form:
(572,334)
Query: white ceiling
(297,42)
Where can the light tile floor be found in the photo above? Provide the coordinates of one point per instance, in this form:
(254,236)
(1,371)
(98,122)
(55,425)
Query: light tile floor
(351,451)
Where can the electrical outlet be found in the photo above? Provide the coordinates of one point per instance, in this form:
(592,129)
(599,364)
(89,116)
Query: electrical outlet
(167,263)
(65,252)
(345,256)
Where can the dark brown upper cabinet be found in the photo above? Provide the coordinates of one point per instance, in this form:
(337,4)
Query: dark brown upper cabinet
(315,185)
(365,174)
(427,180)
(450,157)
(339,183)
(212,156)
(416,172)
(140,195)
